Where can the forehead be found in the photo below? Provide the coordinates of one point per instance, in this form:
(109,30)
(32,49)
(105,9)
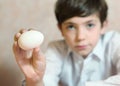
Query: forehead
(76,19)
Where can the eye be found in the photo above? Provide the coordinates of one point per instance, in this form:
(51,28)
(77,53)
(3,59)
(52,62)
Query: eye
(90,25)
(71,27)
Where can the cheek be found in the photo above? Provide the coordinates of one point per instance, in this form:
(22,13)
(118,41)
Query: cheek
(94,38)
(70,39)
(68,35)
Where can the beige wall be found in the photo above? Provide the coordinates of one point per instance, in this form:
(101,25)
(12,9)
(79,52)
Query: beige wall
(39,14)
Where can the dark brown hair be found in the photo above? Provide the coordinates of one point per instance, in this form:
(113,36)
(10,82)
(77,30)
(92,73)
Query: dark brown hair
(65,9)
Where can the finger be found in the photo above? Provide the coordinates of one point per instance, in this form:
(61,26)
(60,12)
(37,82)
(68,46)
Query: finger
(15,48)
(17,35)
(23,30)
(20,55)
(18,51)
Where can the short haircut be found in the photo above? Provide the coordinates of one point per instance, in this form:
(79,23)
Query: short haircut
(65,9)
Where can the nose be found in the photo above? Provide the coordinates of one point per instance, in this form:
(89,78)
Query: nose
(80,36)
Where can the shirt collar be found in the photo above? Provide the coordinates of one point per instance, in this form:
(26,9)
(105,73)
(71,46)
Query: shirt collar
(76,56)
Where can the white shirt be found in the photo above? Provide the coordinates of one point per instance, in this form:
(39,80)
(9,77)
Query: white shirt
(69,69)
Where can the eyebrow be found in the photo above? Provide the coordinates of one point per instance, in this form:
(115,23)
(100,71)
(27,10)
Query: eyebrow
(66,23)
(69,22)
(91,21)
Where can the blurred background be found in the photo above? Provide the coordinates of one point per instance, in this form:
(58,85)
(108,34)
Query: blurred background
(37,14)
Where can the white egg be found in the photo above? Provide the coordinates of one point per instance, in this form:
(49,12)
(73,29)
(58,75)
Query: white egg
(30,39)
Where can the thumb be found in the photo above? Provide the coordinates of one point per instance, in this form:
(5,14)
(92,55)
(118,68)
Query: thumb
(38,60)
(37,54)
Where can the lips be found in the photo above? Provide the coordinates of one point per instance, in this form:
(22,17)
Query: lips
(81,47)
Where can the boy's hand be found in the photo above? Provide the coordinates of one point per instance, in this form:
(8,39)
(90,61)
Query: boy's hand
(32,68)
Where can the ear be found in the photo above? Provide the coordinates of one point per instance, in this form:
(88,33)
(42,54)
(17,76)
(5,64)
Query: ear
(104,26)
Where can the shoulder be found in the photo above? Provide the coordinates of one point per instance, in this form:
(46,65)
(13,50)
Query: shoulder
(115,44)
(111,41)
(111,37)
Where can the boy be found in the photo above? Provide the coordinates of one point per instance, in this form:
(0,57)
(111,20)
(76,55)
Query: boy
(87,54)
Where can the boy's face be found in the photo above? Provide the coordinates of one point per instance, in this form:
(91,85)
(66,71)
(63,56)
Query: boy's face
(82,33)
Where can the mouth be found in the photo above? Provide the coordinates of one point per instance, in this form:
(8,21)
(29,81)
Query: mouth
(81,47)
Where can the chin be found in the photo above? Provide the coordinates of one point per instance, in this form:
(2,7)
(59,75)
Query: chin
(83,54)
